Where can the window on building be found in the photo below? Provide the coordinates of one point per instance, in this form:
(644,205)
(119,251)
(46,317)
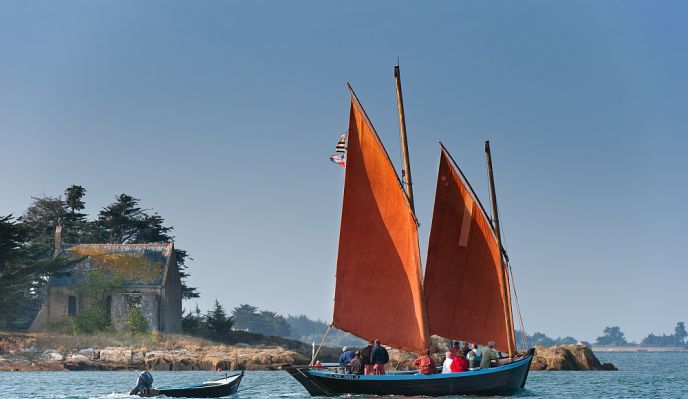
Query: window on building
(71,305)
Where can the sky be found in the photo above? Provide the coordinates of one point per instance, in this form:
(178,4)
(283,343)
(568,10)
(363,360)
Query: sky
(221,117)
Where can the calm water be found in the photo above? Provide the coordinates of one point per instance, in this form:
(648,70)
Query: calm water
(641,375)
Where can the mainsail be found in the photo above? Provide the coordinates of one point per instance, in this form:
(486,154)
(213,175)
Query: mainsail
(463,277)
(378,291)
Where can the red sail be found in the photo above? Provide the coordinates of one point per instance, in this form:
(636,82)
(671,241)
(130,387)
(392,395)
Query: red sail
(463,280)
(378,291)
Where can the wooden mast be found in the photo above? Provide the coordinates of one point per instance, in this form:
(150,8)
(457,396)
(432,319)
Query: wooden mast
(495,225)
(406,170)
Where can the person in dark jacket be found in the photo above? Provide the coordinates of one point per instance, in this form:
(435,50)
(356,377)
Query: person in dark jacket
(356,364)
(379,357)
(346,356)
(365,358)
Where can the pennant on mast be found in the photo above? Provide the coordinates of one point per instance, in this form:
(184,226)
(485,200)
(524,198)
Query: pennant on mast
(378,291)
(339,156)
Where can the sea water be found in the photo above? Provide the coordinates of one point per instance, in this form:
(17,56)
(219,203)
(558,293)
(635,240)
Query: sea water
(640,375)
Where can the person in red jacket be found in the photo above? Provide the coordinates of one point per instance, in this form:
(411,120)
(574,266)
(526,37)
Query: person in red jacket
(459,363)
(426,364)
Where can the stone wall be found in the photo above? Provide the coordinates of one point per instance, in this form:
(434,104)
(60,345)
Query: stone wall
(146,301)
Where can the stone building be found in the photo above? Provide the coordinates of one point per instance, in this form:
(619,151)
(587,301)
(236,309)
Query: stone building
(151,283)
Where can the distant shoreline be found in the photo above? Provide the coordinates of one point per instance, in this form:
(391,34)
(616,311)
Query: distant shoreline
(641,349)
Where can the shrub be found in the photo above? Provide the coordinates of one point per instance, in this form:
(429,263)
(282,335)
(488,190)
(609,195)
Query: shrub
(90,320)
(136,322)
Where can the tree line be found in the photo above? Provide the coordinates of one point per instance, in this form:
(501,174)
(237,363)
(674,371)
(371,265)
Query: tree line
(27,246)
(251,319)
(216,323)
(612,336)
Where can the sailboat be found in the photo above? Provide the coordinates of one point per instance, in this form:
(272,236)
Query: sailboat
(380,292)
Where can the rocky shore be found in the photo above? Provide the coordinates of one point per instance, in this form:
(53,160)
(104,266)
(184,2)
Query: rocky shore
(30,352)
(121,358)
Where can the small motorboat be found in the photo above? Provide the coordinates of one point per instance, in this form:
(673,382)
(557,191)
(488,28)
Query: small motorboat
(225,386)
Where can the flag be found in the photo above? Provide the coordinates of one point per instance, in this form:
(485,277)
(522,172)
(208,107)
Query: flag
(339,157)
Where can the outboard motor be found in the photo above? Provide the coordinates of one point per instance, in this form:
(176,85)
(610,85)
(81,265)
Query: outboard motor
(143,384)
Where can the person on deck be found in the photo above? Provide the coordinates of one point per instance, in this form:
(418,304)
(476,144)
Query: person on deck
(488,355)
(455,348)
(465,348)
(143,384)
(426,364)
(446,365)
(346,356)
(474,357)
(378,358)
(459,363)
(365,358)
(356,364)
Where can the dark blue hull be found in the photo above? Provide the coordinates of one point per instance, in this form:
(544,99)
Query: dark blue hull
(502,380)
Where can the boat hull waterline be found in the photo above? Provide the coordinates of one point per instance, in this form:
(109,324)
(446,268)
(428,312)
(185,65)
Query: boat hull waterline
(502,380)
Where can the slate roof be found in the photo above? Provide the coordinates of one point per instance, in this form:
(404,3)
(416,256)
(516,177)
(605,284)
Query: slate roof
(141,265)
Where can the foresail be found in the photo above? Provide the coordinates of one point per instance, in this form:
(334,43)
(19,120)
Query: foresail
(463,279)
(378,291)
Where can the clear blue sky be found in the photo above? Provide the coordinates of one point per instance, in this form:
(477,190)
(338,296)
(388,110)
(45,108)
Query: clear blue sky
(221,116)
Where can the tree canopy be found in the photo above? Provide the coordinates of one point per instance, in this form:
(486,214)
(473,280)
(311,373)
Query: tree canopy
(24,271)
(214,324)
(678,338)
(263,322)
(613,336)
(121,222)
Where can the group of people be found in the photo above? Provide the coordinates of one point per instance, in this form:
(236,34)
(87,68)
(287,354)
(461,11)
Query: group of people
(370,360)
(459,358)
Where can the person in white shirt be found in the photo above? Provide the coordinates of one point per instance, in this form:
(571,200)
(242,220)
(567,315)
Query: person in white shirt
(447,363)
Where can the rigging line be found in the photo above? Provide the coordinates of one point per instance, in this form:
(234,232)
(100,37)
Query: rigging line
(315,356)
(513,285)
(524,341)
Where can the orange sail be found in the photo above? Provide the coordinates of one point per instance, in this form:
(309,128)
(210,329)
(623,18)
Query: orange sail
(463,277)
(378,291)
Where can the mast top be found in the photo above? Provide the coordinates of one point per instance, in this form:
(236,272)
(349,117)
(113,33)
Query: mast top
(406,165)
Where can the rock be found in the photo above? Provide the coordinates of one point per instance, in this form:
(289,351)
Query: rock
(137,359)
(567,357)
(81,363)
(18,364)
(31,349)
(90,353)
(116,355)
(609,367)
(77,357)
(52,355)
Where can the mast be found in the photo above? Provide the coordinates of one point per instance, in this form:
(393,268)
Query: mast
(406,170)
(505,278)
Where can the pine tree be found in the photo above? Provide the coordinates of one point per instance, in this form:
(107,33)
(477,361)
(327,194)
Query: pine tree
(23,274)
(124,222)
(219,325)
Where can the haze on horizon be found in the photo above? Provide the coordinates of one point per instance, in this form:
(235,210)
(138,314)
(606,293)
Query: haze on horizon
(221,117)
